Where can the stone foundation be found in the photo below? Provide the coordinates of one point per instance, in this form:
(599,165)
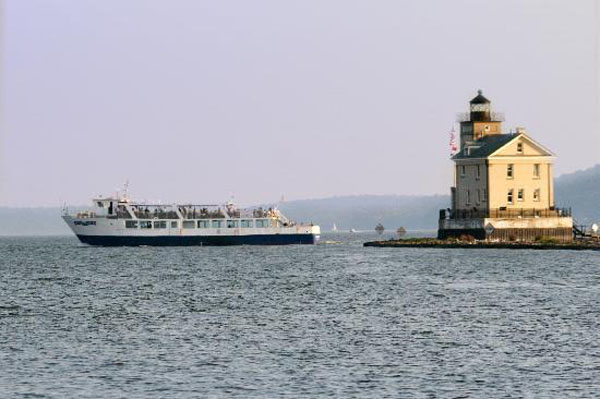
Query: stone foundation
(529,230)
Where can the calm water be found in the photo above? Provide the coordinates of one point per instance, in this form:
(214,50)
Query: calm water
(332,320)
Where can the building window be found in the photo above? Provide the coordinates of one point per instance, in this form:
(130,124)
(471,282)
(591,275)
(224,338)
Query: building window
(536,170)
(478,196)
(510,171)
(173,225)
(478,172)
(463,170)
(509,197)
(203,224)
(520,194)
(520,148)
(468,197)
(536,195)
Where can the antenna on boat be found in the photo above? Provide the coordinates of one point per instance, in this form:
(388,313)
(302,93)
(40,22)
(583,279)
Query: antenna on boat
(126,190)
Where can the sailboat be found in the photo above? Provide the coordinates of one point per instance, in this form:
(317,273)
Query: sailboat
(334,228)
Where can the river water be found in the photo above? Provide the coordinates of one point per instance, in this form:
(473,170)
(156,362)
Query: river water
(331,320)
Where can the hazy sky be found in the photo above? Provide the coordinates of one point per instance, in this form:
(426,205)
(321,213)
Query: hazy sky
(200,100)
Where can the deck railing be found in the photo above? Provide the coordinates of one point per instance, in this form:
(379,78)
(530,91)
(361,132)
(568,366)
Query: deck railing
(466,117)
(156,215)
(503,213)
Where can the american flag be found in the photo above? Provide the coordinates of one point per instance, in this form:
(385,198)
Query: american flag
(453,146)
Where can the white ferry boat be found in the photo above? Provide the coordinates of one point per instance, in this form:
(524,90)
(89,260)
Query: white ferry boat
(119,221)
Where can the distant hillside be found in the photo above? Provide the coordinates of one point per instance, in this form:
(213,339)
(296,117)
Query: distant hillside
(32,221)
(359,212)
(363,212)
(579,190)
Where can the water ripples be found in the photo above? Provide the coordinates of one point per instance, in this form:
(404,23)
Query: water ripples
(314,321)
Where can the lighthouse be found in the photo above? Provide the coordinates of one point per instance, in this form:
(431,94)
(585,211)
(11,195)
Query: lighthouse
(504,184)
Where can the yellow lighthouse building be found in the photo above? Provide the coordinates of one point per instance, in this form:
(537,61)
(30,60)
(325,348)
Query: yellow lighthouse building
(503,184)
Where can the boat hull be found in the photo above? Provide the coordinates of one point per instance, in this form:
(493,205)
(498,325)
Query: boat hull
(220,240)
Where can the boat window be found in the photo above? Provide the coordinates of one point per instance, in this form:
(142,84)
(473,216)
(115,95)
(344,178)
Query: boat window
(263,223)
(246,223)
(203,224)
(217,223)
(231,224)
(84,222)
(145,224)
(131,224)
(160,224)
(189,224)
(173,225)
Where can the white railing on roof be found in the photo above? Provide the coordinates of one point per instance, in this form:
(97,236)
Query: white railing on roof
(466,117)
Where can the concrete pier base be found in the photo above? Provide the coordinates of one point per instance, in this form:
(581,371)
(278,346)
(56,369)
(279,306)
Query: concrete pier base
(558,228)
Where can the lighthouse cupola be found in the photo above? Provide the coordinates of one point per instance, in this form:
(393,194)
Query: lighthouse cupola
(480,108)
(480,121)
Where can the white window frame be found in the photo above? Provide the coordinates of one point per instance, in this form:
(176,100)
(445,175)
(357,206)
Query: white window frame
(536,170)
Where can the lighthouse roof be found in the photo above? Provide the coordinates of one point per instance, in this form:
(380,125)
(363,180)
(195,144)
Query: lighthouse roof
(480,99)
(492,145)
(486,146)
